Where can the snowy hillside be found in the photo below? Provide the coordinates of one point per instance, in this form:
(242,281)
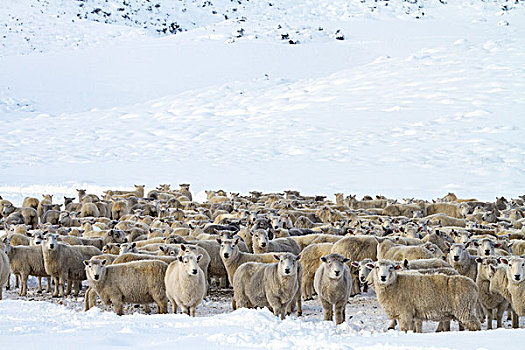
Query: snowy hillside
(402,98)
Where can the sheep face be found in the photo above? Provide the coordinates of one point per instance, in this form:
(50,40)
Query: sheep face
(50,241)
(486,247)
(7,209)
(386,272)
(170,251)
(189,263)
(287,265)
(515,269)
(486,267)
(363,268)
(458,252)
(335,265)
(128,248)
(95,269)
(37,238)
(118,236)
(228,247)
(260,238)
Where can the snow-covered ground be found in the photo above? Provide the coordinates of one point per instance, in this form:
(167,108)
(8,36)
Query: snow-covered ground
(421,98)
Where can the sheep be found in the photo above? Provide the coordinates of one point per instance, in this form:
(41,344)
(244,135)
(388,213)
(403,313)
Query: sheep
(65,263)
(406,210)
(27,216)
(140,282)
(438,238)
(357,247)
(119,209)
(425,264)
(491,302)
(5,270)
(363,271)
(268,285)
(310,261)
(216,267)
(67,219)
(185,283)
(261,244)
(111,236)
(387,250)
(26,261)
(518,246)
(89,210)
(355,204)
(448,209)
(404,296)
(488,247)
(333,284)
(516,287)
(461,260)
(47,200)
(233,257)
(174,250)
(498,284)
(111,248)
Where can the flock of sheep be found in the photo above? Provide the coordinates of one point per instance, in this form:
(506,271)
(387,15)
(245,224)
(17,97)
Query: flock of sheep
(449,259)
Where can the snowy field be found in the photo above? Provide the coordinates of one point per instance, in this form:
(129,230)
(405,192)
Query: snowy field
(419,98)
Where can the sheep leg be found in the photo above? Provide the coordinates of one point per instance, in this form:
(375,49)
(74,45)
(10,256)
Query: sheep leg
(307,287)
(461,326)
(86,299)
(192,311)
(69,286)
(61,283)
(39,290)
(509,313)
(365,287)
(118,306)
(174,305)
(17,281)
(406,323)
(393,324)
(8,285)
(418,326)
(234,304)
(1,296)
(162,303)
(515,320)
(23,286)
(499,314)
(327,310)
(55,291)
(490,317)
(76,288)
(146,308)
(340,312)
(48,288)
(298,299)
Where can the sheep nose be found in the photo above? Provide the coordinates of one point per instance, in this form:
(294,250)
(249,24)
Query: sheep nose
(286,271)
(383,278)
(194,271)
(263,244)
(96,277)
(362,279)
(51,246)
(487,252)
(337,273)
(517,277)
(456,258)
(226,255)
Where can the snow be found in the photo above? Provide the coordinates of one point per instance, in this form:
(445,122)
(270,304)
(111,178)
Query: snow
(419,99)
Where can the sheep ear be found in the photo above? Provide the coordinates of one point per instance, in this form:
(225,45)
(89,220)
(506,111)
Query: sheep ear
(405,263)
(345,260)
(323,259)
(397,267)
(199,257)
(448,245)
(183,247)
(504,261)
(493,268)
(163,248)
(179,258)
(219,240)
(476,244)
(355,264)
(104,262)
(497,245)
(133,245)
(276,257)
(479,260)
(236,240)
(298,257)
(370,266)
(86,262)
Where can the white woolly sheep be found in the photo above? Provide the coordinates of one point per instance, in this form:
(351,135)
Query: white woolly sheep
(333,284)
(185,283)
